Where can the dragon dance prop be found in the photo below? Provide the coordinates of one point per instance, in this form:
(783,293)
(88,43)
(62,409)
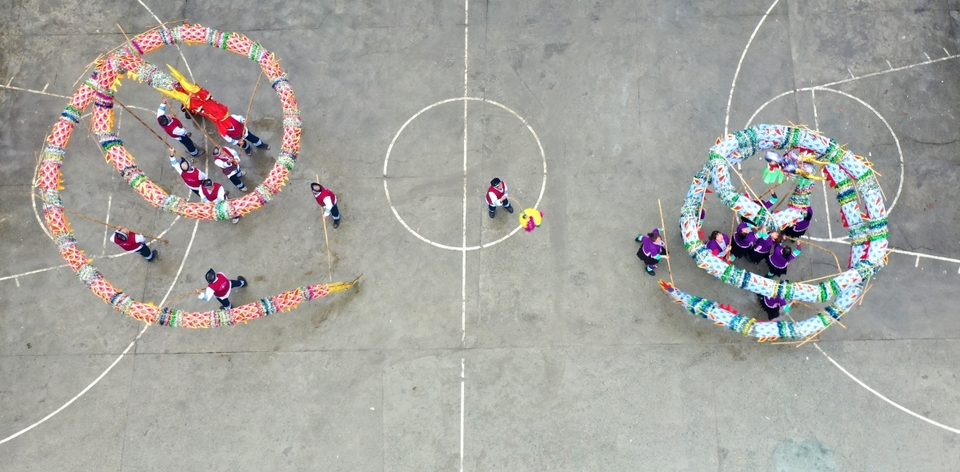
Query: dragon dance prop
(99,90)
(854,182)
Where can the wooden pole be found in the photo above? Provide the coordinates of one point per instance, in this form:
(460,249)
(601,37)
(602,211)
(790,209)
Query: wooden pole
(146,125)
(817,279)
(811,243)
(742,179)
(733,218)
(817,310)
(664,229)
(203,130)
(180,297)
(81,215)
(326,238)
(246,117)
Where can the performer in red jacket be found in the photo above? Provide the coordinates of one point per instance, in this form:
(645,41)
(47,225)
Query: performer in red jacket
(234,132)
(497,196)
(191,176)
(172,126)
(328,200)
(219,286)
(130,241)
(214,192)
(228,161)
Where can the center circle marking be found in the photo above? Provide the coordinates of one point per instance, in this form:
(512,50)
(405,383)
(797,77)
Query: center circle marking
(386,163)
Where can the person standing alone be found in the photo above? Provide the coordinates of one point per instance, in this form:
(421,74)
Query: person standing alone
(497,196)
(327,200)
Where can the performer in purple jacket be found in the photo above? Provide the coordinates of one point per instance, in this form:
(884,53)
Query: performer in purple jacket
(719,244)
(800,228)
(763,245)
(780,257)
(772,306)
(743,240)
(652,249)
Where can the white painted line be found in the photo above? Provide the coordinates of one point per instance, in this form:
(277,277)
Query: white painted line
(125,351)
(851,74)
(919,255)
(463,253)
(106,229)
(185,63)
(77,396)
(895,69)
(841,240)
(858,100)
(463,401)
(816,117)
(896,140)
(736,74)
(945,50)
(879,395)
(927,56)
(386,163)
(41,92)
(145,326)
(889,65)
(823,184)
(917,263)
(463,244)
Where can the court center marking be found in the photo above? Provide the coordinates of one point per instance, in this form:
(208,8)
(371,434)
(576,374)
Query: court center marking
(386,163)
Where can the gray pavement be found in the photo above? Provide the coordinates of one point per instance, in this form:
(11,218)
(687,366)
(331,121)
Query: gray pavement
(544,351)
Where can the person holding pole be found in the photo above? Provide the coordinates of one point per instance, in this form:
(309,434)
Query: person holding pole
(130,241)
(219,286)
(328,200)
(228,161)
(497,197)
(719,245)
(234,130)
(780,257)
(652,249)
(191,176)
(172,126)
(743,240)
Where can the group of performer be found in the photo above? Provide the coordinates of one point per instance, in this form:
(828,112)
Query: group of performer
(233,130)
(754,243)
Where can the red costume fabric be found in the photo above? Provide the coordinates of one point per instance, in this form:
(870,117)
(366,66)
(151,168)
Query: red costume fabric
(220,286)
(324,194)
(212,192)
(172,125)
(230,127)
(192,178)
(130,244)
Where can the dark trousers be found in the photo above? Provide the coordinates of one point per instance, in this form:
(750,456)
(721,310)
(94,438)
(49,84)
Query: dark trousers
(235,178)
(249,139)
(335,212)
(188,143)
(145,252)
(493,209)
(225,302)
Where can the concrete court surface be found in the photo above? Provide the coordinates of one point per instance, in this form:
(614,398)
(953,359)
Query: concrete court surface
(545,351)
